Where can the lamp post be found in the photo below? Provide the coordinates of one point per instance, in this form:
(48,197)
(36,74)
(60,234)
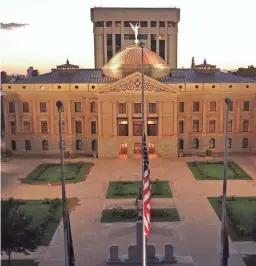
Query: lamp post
(228,101)
(59,105)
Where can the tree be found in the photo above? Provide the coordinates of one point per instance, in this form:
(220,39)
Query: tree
(18,233)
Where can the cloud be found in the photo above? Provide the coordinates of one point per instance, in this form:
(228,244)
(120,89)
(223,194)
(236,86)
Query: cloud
(11,26)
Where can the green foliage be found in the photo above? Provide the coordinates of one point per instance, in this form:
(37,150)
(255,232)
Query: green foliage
(18,232)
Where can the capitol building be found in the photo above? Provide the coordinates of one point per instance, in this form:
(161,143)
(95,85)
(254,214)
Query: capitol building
(184,108)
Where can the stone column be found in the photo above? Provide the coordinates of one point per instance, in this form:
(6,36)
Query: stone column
(99,50)
(157,37)
(130,125)
(172,50)
(146,116)
(175,118)
(69,110)
(17,116)
(122,34)
(6,117)
(105,43)
(86,120)
(166,42)
(34,113)
(113,38)
(221,121)
(99,119)
(149,35)
(114,119)
(160,118)
(52,112)
(204,116)
(238,103)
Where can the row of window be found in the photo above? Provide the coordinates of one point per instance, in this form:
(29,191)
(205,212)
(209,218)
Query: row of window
(143,24)
(44,127)
(122,108)
(213,106)
(122,129)
(212,143)
(212,126)
(45,145)
(43,107)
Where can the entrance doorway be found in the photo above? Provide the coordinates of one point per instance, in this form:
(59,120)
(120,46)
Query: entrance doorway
(137,149)
(123,149)
(151,148)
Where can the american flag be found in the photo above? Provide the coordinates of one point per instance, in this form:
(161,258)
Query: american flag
(146,189)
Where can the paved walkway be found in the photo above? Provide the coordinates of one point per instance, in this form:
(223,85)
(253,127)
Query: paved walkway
(196,235)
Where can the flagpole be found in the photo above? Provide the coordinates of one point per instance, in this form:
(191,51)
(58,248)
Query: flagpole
(59,105)
(143,133)
(228,101)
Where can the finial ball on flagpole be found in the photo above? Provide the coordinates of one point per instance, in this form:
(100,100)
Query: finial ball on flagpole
(228,101)
(59,104)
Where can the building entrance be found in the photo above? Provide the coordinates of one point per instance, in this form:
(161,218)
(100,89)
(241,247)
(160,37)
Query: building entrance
(123,148)
(137,148)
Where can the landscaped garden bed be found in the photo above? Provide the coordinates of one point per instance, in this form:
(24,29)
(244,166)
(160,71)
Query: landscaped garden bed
(215,170)
(131,215)
(131,189)
(47,213)
(50,173)
(19,263)
(241,214)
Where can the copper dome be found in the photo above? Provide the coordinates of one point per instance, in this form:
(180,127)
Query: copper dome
(128,61)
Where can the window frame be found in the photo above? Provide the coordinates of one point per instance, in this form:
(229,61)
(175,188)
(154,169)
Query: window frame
(43,107)
(196,103)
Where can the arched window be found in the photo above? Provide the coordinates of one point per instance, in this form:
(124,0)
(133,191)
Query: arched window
(195,143)
(181,144)
(79,145)
(13,145)
(245,143)
(45,145)
(94,145)
(229,142)
(28,145)
(212,143)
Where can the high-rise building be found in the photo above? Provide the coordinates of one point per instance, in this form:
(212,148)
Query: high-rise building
(158,30)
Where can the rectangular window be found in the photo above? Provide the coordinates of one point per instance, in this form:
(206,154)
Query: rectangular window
(93,107)
(181,107)
(28,145)
(13,127)
(162,48)
(141,36)
(122,128)
(181,126)
(195,125)
(27,128)
(109,46)
(78,107)
(152,108)
(246,125)
(108,23)
(93,127)
(44,127)
(195,106)
(212,106)
(230,126)
(127,23)
(231,107)
(137,108)
(99,24)
(153,42)
(137,128)
(79,127)
(11,107)
(122,108)
(118,42)
(143,24)
(118,24)
(246,106)
(43,107)
(152,128)
(25,107)
(212,127)
(161,24)
(153,24)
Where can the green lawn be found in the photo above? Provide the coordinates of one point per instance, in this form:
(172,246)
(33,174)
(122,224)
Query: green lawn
(215,170)
(130,189)
(241,213)
(19,263)
(131,215)
(39,209)
(50,173)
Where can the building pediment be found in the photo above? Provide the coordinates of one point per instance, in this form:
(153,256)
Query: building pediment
(133,84)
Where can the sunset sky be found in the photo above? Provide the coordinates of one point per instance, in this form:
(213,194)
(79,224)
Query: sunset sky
(223,31)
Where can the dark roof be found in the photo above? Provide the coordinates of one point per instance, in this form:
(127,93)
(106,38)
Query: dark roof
(97,76)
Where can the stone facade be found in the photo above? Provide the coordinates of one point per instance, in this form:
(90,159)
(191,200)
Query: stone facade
(101,103)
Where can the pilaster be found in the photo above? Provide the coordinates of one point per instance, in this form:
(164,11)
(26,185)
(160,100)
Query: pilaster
(114,119)
(238,103)
(34,113)
(52,112)
(145,117)
(204,116)
(175,118)
(160,119)
(99,119)
(69,117)
(130,118)
(17,115)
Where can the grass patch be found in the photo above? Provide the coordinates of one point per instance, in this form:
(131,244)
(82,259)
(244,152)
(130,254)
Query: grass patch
(131,215)
(50,173)
(19,263)
(241,214)
(215,170)
(130,189)
(47,213)
(250,260)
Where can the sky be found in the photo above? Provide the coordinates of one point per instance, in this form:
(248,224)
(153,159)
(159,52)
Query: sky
(223,31)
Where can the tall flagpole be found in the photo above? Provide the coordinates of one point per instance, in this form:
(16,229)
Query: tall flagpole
(59,105)
(144,259)
(228,101)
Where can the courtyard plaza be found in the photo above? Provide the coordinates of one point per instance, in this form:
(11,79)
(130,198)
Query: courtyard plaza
(196,236)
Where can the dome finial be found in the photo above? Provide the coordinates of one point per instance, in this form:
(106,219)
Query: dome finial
(67,62)
(205,61)
(193,62)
